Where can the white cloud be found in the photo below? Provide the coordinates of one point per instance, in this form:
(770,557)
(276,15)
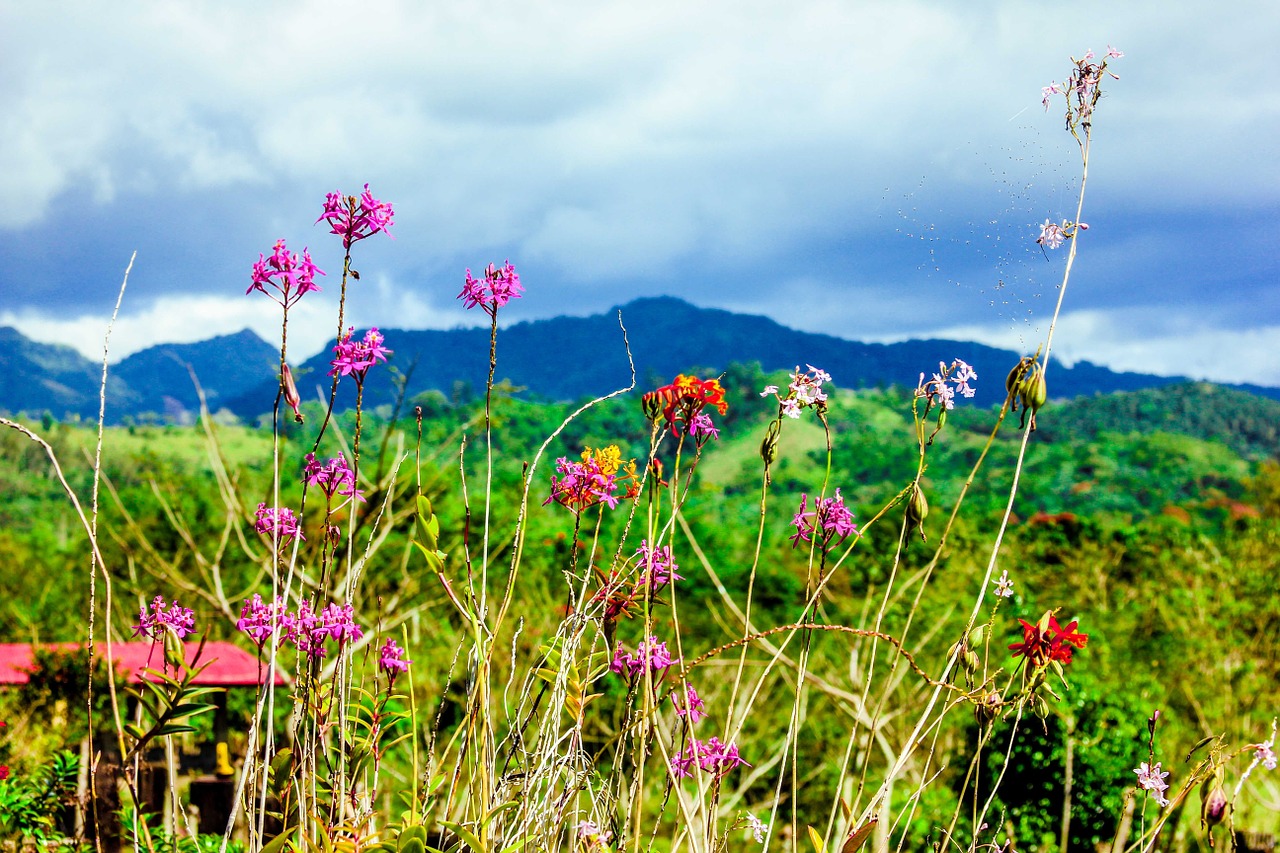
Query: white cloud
(1141,340)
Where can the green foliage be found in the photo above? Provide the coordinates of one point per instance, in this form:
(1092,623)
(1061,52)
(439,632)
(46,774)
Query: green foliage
(32,803)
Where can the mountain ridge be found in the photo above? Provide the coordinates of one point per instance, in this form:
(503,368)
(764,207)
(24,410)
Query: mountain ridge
(561,358)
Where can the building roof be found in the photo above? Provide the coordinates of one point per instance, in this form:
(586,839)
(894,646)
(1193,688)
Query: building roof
(228,664)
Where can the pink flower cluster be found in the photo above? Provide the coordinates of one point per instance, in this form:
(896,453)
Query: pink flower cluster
(581,484)
(1151,780)
(650,655)
(938,391)
(693,706)
(829,519)
(307,629)
(1083,84)
(497,288)
(286,273)
(334,476)
(354,219)
(703,428)
(657,566)
(277,522)
(391,659)
(805,391)
(1052,236)
(353,357)
(710,755)
(158,618)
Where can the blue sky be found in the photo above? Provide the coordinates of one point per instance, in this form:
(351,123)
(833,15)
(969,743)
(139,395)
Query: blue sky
(874,170)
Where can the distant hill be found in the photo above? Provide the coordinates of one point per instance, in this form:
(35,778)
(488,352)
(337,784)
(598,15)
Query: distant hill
(568,358)
(563,358)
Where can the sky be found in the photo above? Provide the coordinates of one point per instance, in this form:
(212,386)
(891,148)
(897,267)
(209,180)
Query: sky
(872,170)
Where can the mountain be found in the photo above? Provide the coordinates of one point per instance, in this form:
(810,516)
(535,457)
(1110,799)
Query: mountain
(225,367)
(572,357)
(564,358)
(37,378)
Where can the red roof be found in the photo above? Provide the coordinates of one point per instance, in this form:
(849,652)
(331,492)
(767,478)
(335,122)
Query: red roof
(229,665)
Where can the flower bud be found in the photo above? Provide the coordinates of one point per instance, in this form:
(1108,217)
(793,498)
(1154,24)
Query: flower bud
(1014,379)
(1033,390)
(291,396)
(651,405)
(769,447)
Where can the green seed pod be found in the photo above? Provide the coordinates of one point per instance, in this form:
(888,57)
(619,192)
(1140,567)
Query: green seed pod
(1016,375)
(987,708)
(917,510)
(769,447)
(1033,390)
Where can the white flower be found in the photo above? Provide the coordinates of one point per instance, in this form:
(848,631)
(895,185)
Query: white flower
(1004,586)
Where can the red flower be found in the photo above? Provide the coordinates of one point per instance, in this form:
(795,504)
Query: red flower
(1048,641)
(682,400)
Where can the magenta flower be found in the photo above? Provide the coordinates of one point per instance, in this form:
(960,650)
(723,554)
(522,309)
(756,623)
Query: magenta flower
(391,659)
(829,519)
(334,477)
(712,756)
(285,273)
(693,706)
(278,523)
(260,620)
(497,288)
(657,567)
(650,655)
(578,485)
(354,219)
(354,358)
(702,428)
(175,618)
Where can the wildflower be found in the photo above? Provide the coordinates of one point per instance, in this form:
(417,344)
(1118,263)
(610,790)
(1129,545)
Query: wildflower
(1051,235)
(180,620)
(712,756)
(757,827)
(830,516)
(1151,780)
(595,479)
(260,620)
(804,391)
(590,834)
(693,706)
(277,522)
(1048,641)
(356,357)
(650,655)
(939,391)
(680,402)
(1112,53)
(1263,754)
(703,426)
(354,219)
(657,566)
(391,659)
(1004,586)
(339,622)
(497,288)
(1048,92)
(334,477)
(290,276)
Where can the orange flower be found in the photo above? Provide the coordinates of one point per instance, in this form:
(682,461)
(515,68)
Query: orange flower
(683,399)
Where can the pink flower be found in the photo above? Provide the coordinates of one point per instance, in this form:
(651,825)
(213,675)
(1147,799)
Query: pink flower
(702,427)
(288,275)
(693,706)
(712,756)
(334,477)
(354,358)
(1051,235)
(260,620)
(1151,780)
(657,567)
(1004,586)
(937,391)
(804,391)
(830,516)
(180,620)
(1112,53)
(278,523)
(650,655)
(1047,93)
(582,484)
(355,219)
(497,288)
(391,659)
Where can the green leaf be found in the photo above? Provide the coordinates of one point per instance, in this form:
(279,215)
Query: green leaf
(468,837)
(816,840)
